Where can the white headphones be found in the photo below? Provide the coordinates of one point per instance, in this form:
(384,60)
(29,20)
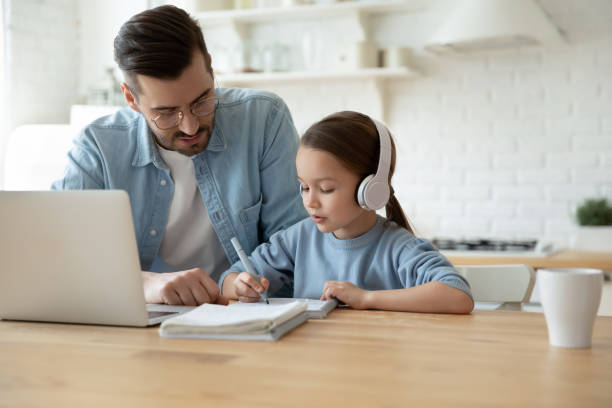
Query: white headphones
(373,192)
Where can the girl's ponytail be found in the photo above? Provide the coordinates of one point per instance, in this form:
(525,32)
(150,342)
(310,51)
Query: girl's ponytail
(394,212)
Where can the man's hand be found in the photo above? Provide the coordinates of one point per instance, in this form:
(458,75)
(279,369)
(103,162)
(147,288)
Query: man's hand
(191,288)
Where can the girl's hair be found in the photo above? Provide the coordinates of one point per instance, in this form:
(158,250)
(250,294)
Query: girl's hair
(353,139)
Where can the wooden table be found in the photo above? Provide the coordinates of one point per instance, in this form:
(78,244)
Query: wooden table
(561,259)
(351,359)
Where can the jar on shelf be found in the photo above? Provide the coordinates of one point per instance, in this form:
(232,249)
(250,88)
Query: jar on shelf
(243,4)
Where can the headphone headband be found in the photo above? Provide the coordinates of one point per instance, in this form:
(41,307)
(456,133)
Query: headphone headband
(384,160)
(373,192)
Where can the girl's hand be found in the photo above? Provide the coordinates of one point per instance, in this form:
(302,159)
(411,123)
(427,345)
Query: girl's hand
(247,288)
(345,292)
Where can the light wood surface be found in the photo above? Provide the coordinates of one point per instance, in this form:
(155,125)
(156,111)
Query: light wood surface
(351,359)
(561,259)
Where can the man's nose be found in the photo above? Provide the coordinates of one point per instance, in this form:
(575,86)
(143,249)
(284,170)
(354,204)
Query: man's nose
(190,124)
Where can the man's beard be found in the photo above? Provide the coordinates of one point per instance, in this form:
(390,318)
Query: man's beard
(189,151)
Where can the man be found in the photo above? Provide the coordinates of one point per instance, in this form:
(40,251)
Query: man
(200,164)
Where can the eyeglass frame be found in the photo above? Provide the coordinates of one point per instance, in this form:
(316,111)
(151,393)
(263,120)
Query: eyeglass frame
(180,112)
(181,115)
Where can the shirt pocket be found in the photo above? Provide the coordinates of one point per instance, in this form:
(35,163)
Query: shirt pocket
(249,217)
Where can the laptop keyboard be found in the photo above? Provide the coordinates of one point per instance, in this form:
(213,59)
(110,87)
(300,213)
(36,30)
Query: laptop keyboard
(153,315)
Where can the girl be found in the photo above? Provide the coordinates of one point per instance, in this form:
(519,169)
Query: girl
(344,249)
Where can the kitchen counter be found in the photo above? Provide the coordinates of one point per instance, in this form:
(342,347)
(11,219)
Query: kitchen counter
(560,259)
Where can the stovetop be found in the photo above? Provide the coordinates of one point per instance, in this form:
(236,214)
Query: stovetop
(493,247)
(485,244)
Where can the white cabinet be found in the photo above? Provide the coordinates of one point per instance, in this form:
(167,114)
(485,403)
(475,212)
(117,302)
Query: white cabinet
(360,9)
(302,44)
(240,27)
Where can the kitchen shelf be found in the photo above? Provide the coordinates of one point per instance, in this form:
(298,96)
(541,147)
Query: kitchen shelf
(237,28)
(377,75)
(304,76)
(305,12)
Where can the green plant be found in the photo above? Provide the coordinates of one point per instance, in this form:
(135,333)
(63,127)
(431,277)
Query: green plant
(594,212)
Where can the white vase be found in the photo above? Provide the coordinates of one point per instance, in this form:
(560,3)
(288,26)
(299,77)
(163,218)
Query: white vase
(593,238)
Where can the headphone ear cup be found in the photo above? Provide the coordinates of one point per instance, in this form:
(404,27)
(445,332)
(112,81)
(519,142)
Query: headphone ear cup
(377,194)
(362,191)
(373,194)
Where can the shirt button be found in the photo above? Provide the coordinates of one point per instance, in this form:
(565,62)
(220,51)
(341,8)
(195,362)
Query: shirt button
(163,182)
(153,233)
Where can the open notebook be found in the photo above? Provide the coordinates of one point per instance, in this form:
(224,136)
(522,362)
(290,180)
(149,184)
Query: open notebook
(238,321)
(317,309)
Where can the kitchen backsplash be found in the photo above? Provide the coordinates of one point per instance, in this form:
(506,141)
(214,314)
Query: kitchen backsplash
(497,146)
(505,146)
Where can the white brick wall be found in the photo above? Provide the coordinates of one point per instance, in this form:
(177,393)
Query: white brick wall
(41,58)
(489,177)
(466,226)
(533,136)
(489,209)
(499,145)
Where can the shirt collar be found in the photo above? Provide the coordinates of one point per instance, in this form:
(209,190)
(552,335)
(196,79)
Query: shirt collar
(217,141)
(146,149)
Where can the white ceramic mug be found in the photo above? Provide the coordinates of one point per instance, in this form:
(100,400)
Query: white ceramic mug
(570,298)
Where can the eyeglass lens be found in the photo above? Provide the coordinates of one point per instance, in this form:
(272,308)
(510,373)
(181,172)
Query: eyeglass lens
(169,120)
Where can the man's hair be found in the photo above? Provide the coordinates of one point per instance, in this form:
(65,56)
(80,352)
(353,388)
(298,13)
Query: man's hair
(160,43)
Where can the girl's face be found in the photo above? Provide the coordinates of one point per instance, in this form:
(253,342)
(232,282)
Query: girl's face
(328,194)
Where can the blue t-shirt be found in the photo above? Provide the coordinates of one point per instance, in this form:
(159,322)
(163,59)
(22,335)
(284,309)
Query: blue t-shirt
(385,257)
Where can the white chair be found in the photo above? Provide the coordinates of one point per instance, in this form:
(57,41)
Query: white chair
(499,286)
(35,156)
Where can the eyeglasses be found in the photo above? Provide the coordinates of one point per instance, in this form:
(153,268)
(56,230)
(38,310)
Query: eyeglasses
(169,120)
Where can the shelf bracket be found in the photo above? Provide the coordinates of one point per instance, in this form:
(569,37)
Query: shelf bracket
(380,87)
(361,24)
(239,30)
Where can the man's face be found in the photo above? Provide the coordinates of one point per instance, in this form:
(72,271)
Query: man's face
(160,100)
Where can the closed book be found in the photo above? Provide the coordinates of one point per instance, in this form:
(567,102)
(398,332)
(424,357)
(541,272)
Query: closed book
(238,321)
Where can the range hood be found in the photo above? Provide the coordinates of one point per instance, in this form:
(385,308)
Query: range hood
(480,26)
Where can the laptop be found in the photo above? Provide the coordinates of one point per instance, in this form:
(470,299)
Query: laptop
(71,257)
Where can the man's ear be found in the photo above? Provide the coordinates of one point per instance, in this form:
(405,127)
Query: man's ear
(129,97)
(211,68)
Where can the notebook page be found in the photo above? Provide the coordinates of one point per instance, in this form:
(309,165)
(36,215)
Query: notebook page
(313,305)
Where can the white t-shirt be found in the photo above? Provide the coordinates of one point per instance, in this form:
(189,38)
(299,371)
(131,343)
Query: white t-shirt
(190,240)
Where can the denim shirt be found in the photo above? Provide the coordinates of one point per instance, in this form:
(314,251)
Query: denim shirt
(246,175)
